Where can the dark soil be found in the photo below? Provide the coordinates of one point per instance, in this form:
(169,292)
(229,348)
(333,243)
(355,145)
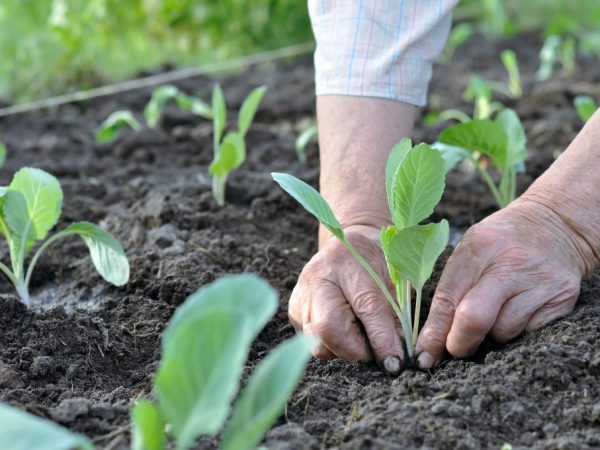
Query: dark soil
(88,350)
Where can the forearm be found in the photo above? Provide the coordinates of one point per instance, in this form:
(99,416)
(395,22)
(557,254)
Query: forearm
(356,135)
(571,189)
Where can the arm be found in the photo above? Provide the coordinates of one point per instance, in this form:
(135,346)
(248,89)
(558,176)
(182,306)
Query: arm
(521,267)
(373,64)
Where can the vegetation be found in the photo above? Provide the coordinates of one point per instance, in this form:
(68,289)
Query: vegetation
(302,141)
(414,179)
(51,47)
(481,141)
(110,129)
(30,207)
(586,106)
(204,349)
(230,149)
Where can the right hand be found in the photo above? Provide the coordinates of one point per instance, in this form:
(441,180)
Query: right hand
(337,301)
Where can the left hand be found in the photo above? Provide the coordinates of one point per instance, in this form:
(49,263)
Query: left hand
(515,271)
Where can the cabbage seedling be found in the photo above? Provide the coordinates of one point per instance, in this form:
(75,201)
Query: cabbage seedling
(415,181)
(30,206)
(204,348)
(501,141)
(164,94)
(586,106)
(509,59)
(230,150)
(110,129)
(302,141)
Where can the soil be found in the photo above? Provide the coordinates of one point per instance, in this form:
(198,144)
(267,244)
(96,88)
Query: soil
(87,350)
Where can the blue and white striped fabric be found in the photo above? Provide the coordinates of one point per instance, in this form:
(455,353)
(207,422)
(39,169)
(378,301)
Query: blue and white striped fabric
(378,48)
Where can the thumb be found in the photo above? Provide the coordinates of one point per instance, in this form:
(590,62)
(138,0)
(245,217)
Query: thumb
(458,277)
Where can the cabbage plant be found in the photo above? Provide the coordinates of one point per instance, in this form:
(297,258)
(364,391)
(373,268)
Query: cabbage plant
(500,141)
(30,206)
(415,181)
(586,106)
(204,348)
(230,148)
(111,128)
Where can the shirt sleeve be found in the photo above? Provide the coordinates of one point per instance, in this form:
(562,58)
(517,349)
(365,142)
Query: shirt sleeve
(378,48)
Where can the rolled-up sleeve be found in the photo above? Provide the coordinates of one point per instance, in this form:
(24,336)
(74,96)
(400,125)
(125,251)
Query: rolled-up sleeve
(378,48)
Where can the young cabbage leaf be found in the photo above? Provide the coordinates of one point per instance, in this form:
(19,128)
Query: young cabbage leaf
(586,106)
(25,431)
(110,129)
(30,207)
(148,427)
(302,141)
(164,94)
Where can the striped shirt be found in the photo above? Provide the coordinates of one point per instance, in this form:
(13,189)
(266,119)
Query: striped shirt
(378,48)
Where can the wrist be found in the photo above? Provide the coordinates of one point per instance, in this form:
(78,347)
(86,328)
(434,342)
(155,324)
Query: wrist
(567,225)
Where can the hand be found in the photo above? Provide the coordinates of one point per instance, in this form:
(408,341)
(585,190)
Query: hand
(517,270)
(337,301)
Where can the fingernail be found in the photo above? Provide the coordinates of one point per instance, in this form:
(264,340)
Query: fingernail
(425,360)
(392,365)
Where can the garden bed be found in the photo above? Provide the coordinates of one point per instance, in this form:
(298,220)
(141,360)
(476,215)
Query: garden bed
(88,349)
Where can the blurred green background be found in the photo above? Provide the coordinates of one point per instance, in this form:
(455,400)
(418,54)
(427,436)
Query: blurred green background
(50,47)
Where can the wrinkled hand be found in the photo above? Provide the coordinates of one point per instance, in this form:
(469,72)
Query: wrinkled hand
(337,301)
(517,270)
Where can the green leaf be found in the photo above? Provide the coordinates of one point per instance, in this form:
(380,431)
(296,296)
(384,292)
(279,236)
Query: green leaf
(548,57)
(20,430)
(219,111)
(164,94)
(394,160)
(266,393)
(509,59)
(32,204)
(155,106)
(413,251)
(303,139)
(232,155)
(109,130)
(516,139)
(148,427)
(586,107)
(248,109)
(203,352)
(2,154)
(452,155)
(311,200)
(482,136)
(106,252)
(418,185)
(195,105)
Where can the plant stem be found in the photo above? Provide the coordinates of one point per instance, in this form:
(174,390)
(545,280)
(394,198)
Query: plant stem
(416,318)
(23,292)
(491,186)
(404,316)
(218,188)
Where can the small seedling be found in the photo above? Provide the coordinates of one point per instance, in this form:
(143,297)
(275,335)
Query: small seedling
(30,206)
(414,179)
(556,49)
(302,141)
(230,150)
(458,36)
(586,106)
(501,141)
(110,129)
(204,348)
(164,94)
(3,153)
(509,59)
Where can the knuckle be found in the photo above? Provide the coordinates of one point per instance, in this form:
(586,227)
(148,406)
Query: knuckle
(367,303)
(471,322)
(503,332)
(323,327)
(444,302)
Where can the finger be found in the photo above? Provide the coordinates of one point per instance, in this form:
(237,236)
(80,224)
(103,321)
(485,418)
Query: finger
(298,298)
(332,320)
(535,307)
(476,314)
(381,326)
(321,350)
(562,305)
(458,277)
